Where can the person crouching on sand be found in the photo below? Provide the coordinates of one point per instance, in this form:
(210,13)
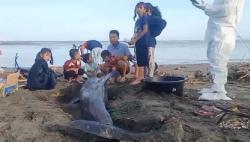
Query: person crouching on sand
(95,48)
(112,63)
(41,77)
(72,68)
(121,52)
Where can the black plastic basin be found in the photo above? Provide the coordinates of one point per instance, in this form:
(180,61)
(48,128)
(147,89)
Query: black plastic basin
(168,84)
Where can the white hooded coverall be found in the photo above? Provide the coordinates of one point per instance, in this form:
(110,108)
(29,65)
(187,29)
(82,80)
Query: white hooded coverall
(224,16)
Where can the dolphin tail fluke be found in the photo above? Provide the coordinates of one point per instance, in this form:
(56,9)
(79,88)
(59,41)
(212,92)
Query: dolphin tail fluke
(102,130)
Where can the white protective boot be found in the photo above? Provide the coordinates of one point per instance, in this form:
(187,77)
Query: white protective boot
(206,90)
(214,97)
(213,89)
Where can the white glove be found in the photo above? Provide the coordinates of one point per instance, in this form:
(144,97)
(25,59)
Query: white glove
(201,5)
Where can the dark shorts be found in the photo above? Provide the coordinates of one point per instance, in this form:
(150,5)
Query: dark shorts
(142,56)
(73,74)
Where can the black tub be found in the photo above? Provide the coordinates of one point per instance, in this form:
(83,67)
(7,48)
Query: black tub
(168,84)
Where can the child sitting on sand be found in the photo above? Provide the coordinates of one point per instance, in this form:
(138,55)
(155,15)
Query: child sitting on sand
(90,67)
(40,75)
(72,68)
(112,63)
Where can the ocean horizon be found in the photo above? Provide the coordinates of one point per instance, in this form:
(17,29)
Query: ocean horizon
(167,52)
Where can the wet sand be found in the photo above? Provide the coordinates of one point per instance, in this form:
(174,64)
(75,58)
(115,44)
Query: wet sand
(40,116)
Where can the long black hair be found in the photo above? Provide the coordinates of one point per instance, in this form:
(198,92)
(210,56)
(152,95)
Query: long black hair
(155,11)
(137,5)
(44,51)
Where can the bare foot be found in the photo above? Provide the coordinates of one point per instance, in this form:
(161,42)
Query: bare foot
(123,79)
(136,82)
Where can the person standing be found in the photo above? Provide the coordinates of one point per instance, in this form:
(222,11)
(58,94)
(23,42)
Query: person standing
(156,26)
(141,39)
(224,16)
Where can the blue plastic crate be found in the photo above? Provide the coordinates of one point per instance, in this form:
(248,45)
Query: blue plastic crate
(10,89)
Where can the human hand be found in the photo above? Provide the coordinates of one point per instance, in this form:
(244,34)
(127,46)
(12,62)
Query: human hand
(199,5)
(91,74)
(76,70)
(133,40)
(113,68)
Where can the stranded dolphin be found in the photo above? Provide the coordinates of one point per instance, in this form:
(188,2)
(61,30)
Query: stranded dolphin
(93,99)
(96,118)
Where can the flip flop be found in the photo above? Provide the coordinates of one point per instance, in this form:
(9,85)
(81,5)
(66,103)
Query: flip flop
(213,109)
(203,113)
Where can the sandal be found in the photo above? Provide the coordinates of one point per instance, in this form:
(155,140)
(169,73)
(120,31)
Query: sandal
(203,113)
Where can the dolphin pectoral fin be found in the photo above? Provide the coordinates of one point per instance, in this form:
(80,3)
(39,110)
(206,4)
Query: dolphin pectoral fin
(75,100)
(111,74)
(102,130)
(71,106)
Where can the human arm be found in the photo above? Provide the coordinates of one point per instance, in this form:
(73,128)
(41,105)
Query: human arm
(128,54)
(145,28)
(201,5)
(219,10)
(140,35)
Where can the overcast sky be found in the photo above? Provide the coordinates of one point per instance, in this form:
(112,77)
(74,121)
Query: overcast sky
(58,20)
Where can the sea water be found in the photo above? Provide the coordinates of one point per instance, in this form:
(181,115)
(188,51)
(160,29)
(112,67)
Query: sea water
(167,52)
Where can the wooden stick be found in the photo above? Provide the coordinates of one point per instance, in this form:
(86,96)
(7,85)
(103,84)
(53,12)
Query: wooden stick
(244,76)
(22,80)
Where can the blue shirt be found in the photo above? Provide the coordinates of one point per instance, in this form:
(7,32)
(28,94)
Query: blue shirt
(147,39)
(119,49)
(153,42)
(91,44)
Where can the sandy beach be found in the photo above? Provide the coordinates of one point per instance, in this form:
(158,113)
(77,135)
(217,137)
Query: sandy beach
(74,56)
(39,116)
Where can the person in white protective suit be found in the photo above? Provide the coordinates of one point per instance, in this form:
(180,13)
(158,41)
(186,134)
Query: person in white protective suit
(224,16)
